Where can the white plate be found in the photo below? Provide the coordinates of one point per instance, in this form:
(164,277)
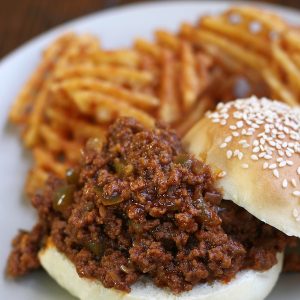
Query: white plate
(116,28)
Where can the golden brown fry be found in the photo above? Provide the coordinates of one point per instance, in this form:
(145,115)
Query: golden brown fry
(31,135)
(204,63)
(36,179)
(296,58)
(115,74)
(167,39)
(46,161)
(23,104)
(80,129)
(96,85)
(287,65)
(73,47)
(105,109)
(226,61)
(236,32)
(169,110)
(59,144)
(128,58)
(147,47)
(278,88)
(292,38)
(270,20)
(189,80)
(150,64)
(202,36)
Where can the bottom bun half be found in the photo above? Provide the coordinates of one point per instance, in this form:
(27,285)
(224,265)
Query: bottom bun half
(247,285)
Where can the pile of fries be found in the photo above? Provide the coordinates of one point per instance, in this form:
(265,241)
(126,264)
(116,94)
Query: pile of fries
(79,88)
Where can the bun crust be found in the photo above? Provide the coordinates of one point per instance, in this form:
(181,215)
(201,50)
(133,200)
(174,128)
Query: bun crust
(63,271)
(253,146)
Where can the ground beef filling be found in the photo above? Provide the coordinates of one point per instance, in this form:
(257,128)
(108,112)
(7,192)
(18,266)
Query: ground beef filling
(140,206)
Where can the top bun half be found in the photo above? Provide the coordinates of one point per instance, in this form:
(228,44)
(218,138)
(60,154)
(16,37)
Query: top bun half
(253,146)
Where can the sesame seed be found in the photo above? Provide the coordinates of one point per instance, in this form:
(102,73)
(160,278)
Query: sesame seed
(276,173)
(223,145)
(228,139)
(245,166)
(229,154)
(245,145)
(240,155)
(265,165)
(239,124)
(295,212)
(232,127)
(222,174)
(237,115)
(289,162)
(262,154)
(282,164)
(284,183)
(293,182)
(256,149)
(236,152)
(223,122)
(272,166)
(254,157)
(256,143)
(235,133)
(298,170)
(296,193)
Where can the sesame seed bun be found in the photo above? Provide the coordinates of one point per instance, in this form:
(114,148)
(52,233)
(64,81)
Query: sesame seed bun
(253,146)
(64,272)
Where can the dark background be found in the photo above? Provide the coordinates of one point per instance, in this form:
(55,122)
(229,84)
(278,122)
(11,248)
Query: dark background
(21,20)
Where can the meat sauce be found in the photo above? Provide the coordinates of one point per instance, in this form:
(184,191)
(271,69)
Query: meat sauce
(140,206)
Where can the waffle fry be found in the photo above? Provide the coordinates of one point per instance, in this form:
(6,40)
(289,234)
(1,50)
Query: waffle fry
(46,161)
(189,82)
(106,109)
(23,104)
(287,65)
(279,90)
(116,74)
(127,58)
(226,29)
(138,99)
(200,36)
(169,108)
(167,39)
(148,48)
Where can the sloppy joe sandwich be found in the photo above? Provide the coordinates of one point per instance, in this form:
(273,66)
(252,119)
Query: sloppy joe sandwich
(141,218)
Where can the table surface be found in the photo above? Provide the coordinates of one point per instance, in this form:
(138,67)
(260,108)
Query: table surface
(21,20)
